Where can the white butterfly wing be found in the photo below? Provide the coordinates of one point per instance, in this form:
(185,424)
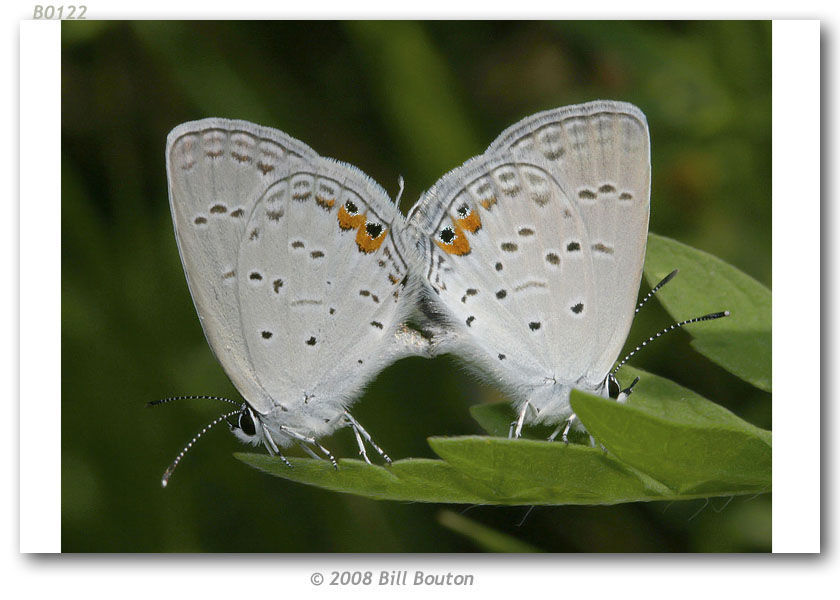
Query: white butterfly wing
(535,248)
(323,283)
(600,152)
(257,219)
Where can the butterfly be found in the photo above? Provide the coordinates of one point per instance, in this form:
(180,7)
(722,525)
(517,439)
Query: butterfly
(299,272)
(532,254)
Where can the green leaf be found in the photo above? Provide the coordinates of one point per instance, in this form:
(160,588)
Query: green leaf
(484,537)
(494,418)
(740,343)
(540,472)
(414,479)
(677,437)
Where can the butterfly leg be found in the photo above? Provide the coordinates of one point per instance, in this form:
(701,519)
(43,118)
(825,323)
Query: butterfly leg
(272,447)
(571,420)
(309,451)
(516,432)
(360,431)
(302,438)
(361,444)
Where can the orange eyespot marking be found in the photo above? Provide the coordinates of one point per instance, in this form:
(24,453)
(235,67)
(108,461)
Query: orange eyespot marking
(468,219)
(370,237)
(451,239)
(325,203)
(488,203)
(349,217)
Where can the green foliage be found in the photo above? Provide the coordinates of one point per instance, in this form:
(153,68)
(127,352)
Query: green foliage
(415,479)
(484,537)
(741,343)
(690,444)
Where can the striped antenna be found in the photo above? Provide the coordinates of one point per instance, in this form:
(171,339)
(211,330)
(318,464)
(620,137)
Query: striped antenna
(201,397)
(657,287)
(709,317)
(168,473)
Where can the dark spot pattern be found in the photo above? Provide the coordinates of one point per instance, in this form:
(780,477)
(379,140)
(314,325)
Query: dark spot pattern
(470,320)
(499,266)
(606,188)
(502,357)
(446,235)
(573,247)
(297,244)
(554,154)
(316,254)
(218,209)
(254,276)
(586,195)
(373,230)
(311,341)
(267,335)
(552,258)
(526,231)
(534,325)
(577,308)
(200,220)
(509,247)
(278,283)
(376,324)
(501,294)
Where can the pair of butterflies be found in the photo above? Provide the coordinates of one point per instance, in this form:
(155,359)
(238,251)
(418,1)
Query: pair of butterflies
(525,261)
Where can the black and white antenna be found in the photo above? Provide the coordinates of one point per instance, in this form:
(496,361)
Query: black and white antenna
(657,287)
(241,406)
(650,294)
(168,473)
(199,397)
(709,317)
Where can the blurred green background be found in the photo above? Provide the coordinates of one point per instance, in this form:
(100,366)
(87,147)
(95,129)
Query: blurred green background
(394,98)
